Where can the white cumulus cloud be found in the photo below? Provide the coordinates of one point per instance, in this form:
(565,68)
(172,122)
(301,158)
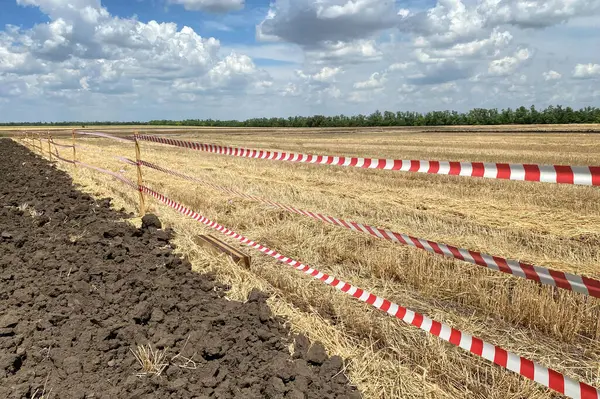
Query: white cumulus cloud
(325,75)
(509,65)
(551,75)
(85,49)
(586,71)
(376,81)
(352,52)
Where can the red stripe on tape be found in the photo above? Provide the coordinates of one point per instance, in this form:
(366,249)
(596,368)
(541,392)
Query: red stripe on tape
(532,172)
(556,381)
(561,279)
(503,171)
(434,167)
(500,357)
(414,166)
(564,174)
(436,328)
(455,168)
(527,369)
(595,172)
(478,169)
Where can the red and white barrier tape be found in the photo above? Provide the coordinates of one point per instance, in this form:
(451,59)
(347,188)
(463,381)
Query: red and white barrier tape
(111,173)
(117,176)
(126,139)
(555,278)
(57,155)
(61,145)
(127,161)
(520,365)
(579,175)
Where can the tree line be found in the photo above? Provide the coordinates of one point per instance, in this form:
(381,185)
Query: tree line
(478,116)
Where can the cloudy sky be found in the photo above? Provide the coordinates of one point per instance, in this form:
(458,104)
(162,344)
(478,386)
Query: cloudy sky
(236,59)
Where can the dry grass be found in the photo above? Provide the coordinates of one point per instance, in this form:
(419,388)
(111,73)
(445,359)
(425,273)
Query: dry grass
(30,210)
(42,393)
(152,361)
(556,226)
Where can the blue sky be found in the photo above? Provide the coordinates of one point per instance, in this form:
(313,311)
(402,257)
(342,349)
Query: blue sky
(145,59)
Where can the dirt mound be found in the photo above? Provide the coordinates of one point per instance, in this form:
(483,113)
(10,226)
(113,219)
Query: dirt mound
(81,293)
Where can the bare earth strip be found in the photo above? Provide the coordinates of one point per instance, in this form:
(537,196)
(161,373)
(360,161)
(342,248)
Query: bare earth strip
(555,226)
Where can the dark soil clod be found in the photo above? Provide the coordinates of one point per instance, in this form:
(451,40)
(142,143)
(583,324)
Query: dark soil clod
(151,220)
(79,292)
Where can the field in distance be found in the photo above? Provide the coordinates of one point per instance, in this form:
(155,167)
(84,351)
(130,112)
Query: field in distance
(583,128)
(555,226)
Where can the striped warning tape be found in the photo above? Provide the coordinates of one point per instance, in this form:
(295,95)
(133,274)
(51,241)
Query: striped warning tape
(579,175)
(126,139)
(61,145)
(555,278)
(520,365)
(61,158)
(111,173)
(117,176)
(88,148)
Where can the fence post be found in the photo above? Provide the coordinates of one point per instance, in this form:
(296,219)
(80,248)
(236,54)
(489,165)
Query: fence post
(41,145)
(74,150)
(49,146)
(139,175)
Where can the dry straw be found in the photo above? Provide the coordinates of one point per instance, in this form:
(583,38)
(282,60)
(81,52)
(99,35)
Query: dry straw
(553,225)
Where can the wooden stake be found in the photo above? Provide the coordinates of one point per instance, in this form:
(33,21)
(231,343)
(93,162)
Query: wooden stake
(49,146)
(41,145)
(140,180)
(217,246)
(74,150)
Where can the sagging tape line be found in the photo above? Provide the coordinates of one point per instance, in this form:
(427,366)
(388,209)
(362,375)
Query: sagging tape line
(126,139)
(578,175)
(520,365)
(554,278)
(123,179)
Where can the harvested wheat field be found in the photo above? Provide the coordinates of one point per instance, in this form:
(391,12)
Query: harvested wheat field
(556,226)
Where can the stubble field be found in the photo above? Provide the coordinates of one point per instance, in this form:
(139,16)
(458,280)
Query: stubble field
(555,226)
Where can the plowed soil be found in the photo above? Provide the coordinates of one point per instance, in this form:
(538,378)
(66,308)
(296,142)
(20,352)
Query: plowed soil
(80,289)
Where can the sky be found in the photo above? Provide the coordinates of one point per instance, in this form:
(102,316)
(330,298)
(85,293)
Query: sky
(138,60)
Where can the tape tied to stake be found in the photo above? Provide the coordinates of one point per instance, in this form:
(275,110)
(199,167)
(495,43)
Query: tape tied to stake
(578,175)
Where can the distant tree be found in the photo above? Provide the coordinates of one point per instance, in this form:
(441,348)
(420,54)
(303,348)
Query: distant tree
(553,114)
